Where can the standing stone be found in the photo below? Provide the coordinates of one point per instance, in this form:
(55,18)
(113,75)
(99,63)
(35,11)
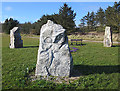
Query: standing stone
(54,57)
(15,38)
(108,37)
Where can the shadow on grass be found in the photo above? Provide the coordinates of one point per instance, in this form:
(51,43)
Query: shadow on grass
(81,44)
(116,46)
(77,44)
(30,46)
(79,70)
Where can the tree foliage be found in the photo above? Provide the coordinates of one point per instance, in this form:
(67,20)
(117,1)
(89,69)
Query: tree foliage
(26,27)
(92,21)
(97,21)
(66,18)
(9,24)
(100,17)
(43,20)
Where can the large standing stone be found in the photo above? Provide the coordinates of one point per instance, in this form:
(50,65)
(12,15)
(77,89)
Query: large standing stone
(15,38)
(54,57)
(108,37)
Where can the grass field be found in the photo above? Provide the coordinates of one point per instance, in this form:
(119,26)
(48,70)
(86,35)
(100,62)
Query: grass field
(97,67)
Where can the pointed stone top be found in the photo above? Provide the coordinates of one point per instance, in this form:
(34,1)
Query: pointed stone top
(49,22)
(14,29)
(107,27)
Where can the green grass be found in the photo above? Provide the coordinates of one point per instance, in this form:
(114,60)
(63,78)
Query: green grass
(97,66)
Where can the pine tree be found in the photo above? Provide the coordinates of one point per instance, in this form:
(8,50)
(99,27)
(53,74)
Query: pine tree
(109,17)
(87,17)
(92,21)
(113,17)
(26,27)
(9,24)
(116,8)
(66,18)
(43,20)
(100,17)
(82,24)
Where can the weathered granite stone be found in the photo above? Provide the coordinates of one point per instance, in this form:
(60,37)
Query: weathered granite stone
(54,57)
(108,37)
(15,38)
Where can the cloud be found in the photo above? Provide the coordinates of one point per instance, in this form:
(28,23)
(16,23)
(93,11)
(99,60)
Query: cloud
(2,21)
(8,8)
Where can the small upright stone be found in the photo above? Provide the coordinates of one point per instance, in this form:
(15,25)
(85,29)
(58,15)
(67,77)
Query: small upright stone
(108,37)
(54,57)
(15,38)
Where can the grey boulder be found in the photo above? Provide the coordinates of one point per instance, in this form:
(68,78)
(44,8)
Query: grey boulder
(15,38)
(54,57)
(107,37)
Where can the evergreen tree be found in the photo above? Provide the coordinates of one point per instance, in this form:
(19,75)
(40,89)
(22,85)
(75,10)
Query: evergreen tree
(116,8)
(66,18)
(100,17)
(82,25)
(26,27)
(113,17)
(9,24)
(87,17)
(43,20)
(92,21)
(109,13)
(109,17)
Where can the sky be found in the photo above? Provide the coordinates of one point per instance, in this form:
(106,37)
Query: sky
(32,11)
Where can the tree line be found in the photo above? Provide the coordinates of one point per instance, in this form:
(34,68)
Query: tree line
(102,18)
(66,17)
